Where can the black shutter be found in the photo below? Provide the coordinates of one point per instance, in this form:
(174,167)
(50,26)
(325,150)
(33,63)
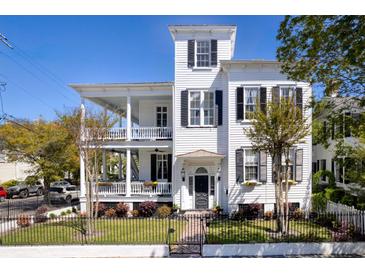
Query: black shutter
(275,95)
(153,167)
(263,100)
(169,167)
(239,165)
(213,53)
(263,166)
(240,103)
(299,165)
(184,108)
(219,104)
(299,99)
(191,53)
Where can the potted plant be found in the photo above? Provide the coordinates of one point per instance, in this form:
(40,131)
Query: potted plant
(251,183)
(147,183)
(175,208)
(217,209)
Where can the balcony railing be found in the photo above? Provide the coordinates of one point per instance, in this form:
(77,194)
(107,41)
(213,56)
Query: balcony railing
(140,133)
(137,188)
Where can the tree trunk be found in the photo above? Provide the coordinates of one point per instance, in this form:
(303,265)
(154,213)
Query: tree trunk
(286,222)
(278,192)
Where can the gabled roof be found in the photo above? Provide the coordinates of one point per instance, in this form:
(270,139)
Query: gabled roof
(201,153)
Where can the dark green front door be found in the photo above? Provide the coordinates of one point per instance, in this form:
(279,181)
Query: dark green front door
(201,192)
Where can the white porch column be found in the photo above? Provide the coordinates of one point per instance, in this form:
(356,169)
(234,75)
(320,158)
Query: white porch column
(120,175)
(82,162)
(128,174)
(104,165)
(129,119)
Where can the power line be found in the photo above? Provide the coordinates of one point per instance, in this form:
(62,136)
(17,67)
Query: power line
(30,72)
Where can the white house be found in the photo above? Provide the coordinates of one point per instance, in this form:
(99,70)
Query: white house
(15,170)
(324,158)
(188,134)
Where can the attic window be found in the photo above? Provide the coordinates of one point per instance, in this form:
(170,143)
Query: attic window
(202,53)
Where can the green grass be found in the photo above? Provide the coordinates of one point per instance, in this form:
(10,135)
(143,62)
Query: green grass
(106,231)
(260,231)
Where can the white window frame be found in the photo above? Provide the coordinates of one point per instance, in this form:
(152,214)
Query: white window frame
(244,100)
(244,166)
(164,158)
(162,112)
(201,118)
(292,90)
(196,53)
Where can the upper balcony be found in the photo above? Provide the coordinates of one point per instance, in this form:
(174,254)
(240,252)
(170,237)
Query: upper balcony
(145,110)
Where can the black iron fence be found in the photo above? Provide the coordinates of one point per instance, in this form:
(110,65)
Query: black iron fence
(176,230)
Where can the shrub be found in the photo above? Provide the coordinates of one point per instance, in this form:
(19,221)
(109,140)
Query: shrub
(23,220)
(334,194)
(69,211)
(111,213)
(9,183)
(63,213)
(360,206)
(250,211)
(147,209)
(344,232)
(135,213)
(122,209)
(319,201)
(298,214)
(52,215)
(348,199)
(164,211)
(268,215)
(41,214)
(175,207)
(101,209)
(328,220)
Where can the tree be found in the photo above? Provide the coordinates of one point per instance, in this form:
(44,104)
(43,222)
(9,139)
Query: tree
(327,50)
(275,133)
(45,145)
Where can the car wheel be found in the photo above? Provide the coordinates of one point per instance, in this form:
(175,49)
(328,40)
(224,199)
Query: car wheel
(68,199)
(24,194)
(39,192)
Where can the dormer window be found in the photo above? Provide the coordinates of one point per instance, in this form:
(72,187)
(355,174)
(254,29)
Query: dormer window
(202,53)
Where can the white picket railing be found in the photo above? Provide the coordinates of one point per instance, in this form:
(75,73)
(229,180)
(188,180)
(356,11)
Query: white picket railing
(137,188)
(151,133)
(348,214)
(140,133)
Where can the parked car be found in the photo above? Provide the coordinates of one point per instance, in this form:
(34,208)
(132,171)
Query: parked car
(60,183)
(63,193)
(23,190)
(3,194)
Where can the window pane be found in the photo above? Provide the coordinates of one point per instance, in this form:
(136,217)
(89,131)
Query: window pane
(208,106)
(250,101)
(251,165)
(195,108)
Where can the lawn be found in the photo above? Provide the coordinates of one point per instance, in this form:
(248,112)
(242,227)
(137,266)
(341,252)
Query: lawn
(106,231)
(260,231)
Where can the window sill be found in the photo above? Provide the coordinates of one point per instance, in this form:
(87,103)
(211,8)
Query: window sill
(244,122)
(201,68)
(207,126)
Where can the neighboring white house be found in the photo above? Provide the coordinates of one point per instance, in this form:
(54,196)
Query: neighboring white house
(188,134)
(13,170)
(324,157)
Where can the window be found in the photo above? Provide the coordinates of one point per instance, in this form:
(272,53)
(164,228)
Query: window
(323,167)
(201,108)
(287,92)
(251,96)
(251,165)
(195,108)
(291,164)
(162,170)
(191,185)
(202,53)
(212,185)
(161,119)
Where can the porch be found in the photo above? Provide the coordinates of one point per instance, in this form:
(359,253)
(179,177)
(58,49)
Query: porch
(137,188)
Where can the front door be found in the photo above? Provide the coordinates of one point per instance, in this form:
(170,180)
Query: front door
(201,192)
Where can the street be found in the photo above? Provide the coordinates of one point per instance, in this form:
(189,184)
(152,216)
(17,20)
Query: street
(16,206)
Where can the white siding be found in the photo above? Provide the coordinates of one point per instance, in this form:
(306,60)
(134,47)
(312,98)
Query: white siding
(147,112)
(267,77)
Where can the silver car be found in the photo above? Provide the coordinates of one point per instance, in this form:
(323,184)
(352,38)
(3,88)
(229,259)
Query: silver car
(63,193)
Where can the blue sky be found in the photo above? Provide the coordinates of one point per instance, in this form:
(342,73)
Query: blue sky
(91,49)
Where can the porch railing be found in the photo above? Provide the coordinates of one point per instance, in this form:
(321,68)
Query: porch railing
(140,133)
(137,188)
